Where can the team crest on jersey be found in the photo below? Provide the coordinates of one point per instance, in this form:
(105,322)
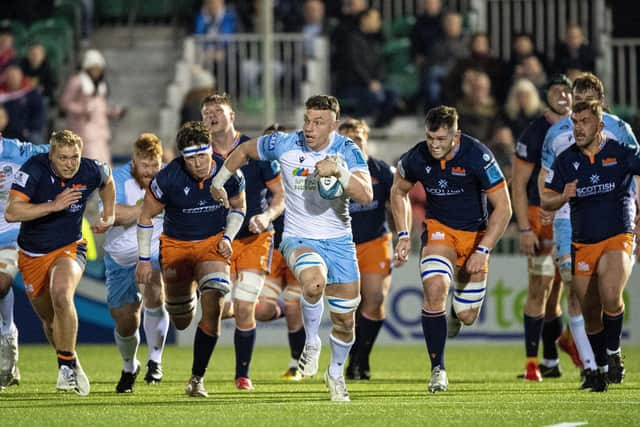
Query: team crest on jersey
(609,161)
(458,171)
(186,190)
(486,157)
(21,178)
(576,165)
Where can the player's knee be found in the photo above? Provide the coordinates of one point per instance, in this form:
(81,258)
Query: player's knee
(248,287)
(216,281)
(343,309)
(61,299)
(243,311)
(541,265)
(344,325)
(468,299)
(310,269)
(181,310)
(436,269)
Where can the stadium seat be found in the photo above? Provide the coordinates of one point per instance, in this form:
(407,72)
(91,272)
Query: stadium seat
(71,12)
(111,10)
(56,29)
(155,10)
(397,54)
(405,83)
(20,36)
(399,27)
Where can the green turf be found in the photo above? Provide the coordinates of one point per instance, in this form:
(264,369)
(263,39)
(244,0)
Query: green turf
(483,390)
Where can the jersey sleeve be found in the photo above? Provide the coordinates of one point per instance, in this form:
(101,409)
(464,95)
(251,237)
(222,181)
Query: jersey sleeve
(103,172)
(632,157)
(548,155)
(625,134)
(235,185)
(525,146)
(120,175)
(159,186)
(488,171)
(271,147)
(405,169)
(354,158)
(555,180)
(269,171)
(26,180)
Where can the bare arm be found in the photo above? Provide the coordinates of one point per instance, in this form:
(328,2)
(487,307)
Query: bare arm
(127,215)
(553,201)
(499,218)
(521,173)
(259,223)
(108,197)
(150,208)
(20,209)
(359,188)
(401,211)
(237,158)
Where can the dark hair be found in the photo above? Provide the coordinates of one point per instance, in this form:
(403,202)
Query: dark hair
(594,106)
(275,127)
(441,117)
(217,98)
(558,79)
(323,102)
(192,133)
(589,81)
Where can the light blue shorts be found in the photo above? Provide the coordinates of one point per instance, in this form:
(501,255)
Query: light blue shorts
(339,254)
(562,236)
(9,238)
(121,282)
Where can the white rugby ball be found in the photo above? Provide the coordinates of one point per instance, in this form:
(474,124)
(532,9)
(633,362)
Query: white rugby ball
(329,187)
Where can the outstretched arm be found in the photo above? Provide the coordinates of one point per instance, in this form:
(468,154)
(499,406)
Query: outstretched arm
(401,209)
(237,158)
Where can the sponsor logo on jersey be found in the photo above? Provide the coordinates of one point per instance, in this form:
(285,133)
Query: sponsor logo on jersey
(583,266)
(21,178)
(301,172)
(438,235)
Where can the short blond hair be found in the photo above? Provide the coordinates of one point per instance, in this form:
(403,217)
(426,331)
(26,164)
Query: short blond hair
(148,145)
(65,138)
(351,124)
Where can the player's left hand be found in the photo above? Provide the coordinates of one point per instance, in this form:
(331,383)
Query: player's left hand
(401,254)
(327,167)
(224,248)
(102,225)
(477,262)
(259,223)
(219,195)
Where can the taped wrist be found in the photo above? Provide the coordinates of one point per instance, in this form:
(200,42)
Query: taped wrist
(221,178)
(144,234)
(235,218)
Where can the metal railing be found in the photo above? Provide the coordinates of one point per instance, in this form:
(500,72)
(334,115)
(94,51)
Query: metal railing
(391,9)
(624,82)
(236,62)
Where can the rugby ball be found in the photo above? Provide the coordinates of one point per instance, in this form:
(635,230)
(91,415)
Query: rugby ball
(329,187)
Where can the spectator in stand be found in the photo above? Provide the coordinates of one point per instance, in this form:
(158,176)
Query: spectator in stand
(522,47)
(443,56)
(348,23)
(215,19)
(574,52)
(84,100)
(477,109)
(480,59)
(24,105)
(523,106)
(36,67)
(533,70)
(427,30)
(362,73)
(314,26)
(7,53)
(202,84)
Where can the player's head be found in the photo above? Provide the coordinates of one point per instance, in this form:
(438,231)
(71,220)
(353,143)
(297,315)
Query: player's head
(441,125)
(320,119)
(357,130)
(558,94)
(587,122)
(217,113)
(588,87)
(194,144)
(147,158)
(274,127)
(65,153)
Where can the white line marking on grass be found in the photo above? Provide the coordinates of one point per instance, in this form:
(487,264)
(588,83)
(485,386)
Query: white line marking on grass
(569,424)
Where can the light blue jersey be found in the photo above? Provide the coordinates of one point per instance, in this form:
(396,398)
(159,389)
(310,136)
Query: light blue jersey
(13,153)
(308,214)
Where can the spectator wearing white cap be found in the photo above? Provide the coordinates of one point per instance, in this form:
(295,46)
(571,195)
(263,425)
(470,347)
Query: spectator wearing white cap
(85,102)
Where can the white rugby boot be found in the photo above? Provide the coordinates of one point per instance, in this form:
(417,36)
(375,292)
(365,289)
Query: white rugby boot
(195,387)
(9,372)
(308,362)
(337,388)
(438,381)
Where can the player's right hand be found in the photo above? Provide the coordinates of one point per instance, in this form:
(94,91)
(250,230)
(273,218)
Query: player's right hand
(65,199)
(401,254)
(546,217)
(143,272)
(219,195)
(529,243)
(570,190)
(224,248)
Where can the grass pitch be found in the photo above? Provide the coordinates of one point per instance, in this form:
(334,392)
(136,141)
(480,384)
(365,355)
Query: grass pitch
(483,390)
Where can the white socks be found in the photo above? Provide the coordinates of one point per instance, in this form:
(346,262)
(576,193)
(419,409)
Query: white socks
(156,325)
(576,325)
(128,347)
(311,317)
(339,353)
(6,313)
